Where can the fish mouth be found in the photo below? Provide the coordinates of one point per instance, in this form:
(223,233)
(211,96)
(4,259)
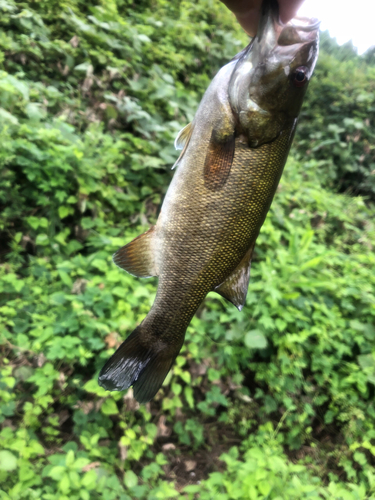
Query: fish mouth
(272,32)
(307,24)
(299,30)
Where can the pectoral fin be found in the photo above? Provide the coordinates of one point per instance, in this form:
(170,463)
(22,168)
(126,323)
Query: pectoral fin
(182,141)
(137,257)
(234,288)
(218,162)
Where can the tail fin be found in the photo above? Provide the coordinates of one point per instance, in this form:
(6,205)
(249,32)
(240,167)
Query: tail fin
(144,365)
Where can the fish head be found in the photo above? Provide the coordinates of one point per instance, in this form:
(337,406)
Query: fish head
(271,76)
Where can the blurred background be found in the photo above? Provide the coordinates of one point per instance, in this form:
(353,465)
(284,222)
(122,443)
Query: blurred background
(349,21)
(275,402)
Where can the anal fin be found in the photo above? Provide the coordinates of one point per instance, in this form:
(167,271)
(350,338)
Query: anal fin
(137,257)
(234,288)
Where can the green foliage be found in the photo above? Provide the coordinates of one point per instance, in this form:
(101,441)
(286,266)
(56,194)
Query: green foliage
(266,473)
(337,121)
(274,402)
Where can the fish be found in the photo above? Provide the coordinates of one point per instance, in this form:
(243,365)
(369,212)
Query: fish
(232,157)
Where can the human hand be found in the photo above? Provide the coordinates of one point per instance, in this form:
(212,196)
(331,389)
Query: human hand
(247,12)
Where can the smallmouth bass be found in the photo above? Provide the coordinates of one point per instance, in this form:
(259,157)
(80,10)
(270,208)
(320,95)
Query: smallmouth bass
(233,154)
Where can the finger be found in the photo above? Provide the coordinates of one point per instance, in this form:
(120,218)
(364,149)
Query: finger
(288,9)
(247,12)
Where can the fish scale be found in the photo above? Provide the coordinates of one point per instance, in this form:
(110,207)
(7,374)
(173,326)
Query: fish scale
(245,200)
(233,154)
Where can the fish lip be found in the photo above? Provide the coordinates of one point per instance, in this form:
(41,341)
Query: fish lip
(292,35)
(307,24)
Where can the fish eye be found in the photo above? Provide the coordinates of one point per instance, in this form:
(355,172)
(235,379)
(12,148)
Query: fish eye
(299,77)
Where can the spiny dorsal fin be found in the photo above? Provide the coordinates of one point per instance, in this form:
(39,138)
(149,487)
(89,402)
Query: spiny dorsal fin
(182,141)
(234,288)
(218,162)
(137,257)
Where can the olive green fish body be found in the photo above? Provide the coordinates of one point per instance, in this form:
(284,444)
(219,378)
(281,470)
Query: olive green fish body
(205,234)
(233,154)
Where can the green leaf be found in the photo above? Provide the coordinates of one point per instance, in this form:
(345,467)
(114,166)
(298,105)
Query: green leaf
(188,391)
(100,264)
(5,116)
(366,361)
(42,239)
(65,483)
(264,488)
(255,339)
(69,459)
(64,211)
(57,472)
(130,479)
(8,461)
(80,462)
(109,407)
(93,386)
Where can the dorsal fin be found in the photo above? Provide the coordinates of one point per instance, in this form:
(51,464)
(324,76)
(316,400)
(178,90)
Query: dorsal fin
(182,141)
(234,288)
(137,257)
(218,162)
